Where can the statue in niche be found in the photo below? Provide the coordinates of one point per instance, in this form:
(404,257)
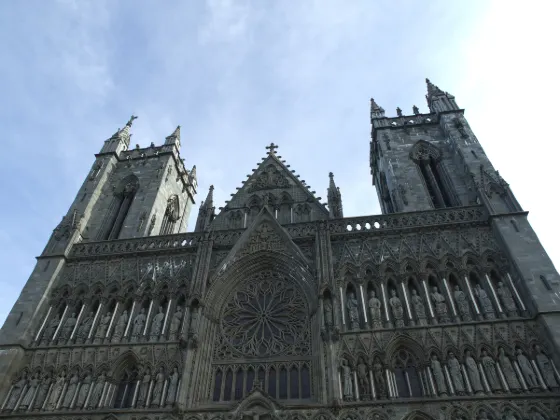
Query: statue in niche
(363,380)
(172,389)
(138,325)
(547,370)
(489,366)
(353,314)
(175,323)
(462,304)
(508,415)
(42,392)
(482,415)
(396,309)
(102,328)
(96,392)
(194,319)
(347,390)
(67,328)
(70,391)
(51,329)
(120,327)
(157,324)
(415,110)
(439,376)
(485,302)
(505,296)
(17,389)
(379,378)
(144,386)
(84,327)
(474,374)
(56,391)
(440,305)
(29,393)
(84,389)
(158,388)
(527,370)
(456,374)
(508,371)
(419,308)
(535,415)
(374,306)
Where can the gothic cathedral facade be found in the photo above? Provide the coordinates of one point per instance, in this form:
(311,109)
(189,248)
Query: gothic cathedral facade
(277,307)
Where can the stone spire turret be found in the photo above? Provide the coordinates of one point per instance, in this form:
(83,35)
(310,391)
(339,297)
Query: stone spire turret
(175,137)
(438,100)
(120,140)
(334,199)
(375,110)
(205,212)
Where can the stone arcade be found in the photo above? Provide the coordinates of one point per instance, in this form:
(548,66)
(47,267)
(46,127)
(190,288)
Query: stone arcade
(278,307)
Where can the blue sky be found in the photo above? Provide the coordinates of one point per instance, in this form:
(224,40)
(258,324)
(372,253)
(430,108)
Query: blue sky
(237,75)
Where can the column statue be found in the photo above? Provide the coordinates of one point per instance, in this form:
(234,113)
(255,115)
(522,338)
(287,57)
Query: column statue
(505,296)
(29,393)
(419,308)
(379,378)
(347,390)
(396,309)
(439,376)
(175,323)
(474,374)
(363,380)
(462,304)
(489,366)
(172,389)
(50,330)
(508,371)
(138,325)
(56,391)
(527,370)
(70,391)
(17,389)
(508,415)
(83,392)
(353,314)
(157,322)
(374,306)
(102,328)
(485,302)
(158,388)
(440,306)
(456,374)
(67,328)
(546,368)
(120,327)
(96,392)
(144,388)
(83,328)
(42,392)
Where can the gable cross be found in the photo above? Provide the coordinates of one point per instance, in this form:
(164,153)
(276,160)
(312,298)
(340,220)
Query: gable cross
(272,149)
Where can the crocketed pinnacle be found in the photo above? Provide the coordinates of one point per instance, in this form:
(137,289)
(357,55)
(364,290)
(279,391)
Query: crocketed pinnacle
(124,133)
(433,90)
(375,110)
(176,134)
(209,202)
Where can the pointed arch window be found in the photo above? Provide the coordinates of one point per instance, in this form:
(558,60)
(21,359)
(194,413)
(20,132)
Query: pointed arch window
(125,388)
(407,377)
(436,179)
(171,216)
(119,208)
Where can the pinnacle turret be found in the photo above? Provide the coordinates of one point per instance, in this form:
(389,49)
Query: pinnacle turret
(334,199)
(375,110)
(206,211)
(438,100)
(175,137)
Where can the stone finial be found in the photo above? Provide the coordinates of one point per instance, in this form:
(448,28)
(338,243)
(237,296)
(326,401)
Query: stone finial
(375,110)
(399,112)
(272,148)
(415,110)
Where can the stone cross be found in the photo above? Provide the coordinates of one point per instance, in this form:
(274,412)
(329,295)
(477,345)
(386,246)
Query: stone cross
(272,149)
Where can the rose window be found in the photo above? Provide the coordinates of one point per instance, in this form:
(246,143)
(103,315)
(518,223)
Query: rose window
(266,317)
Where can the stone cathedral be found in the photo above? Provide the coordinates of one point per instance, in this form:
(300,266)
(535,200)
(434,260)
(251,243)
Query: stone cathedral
(277,307)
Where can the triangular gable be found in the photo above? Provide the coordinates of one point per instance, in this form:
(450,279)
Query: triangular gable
(273,178)
(258,402)
(264,234)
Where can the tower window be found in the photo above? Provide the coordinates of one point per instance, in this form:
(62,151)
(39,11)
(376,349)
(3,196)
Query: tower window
(119,208)
(171,216)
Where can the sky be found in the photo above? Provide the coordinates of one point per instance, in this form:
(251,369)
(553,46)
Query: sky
(237,75)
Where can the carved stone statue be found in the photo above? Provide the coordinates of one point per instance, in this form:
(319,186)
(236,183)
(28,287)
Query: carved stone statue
(379,378)
(120,327)
(102,328)
(456,374)
(485,302)
(195,312)
(546,368)
(489,366)
(158,388)
(474,374)
(84,327)
(462,304)
(138,325)
(415,110)
(419,308)
(482,415)
(527,370)
(535,415)
(172,388)
(508,371)
(29,393)
(42,392)
(96,392)
(56,391)
(505,296)
(70,391)
(144,387)
(51,329)
(440,305)
(439,376)
(84,389)
(374,306)
(399,112)
(347,390)
(363,380)
(328,312)
(17,389)
(353,314)
(157,324)
(508,415)
(175,323)
(67,328)
(396,309)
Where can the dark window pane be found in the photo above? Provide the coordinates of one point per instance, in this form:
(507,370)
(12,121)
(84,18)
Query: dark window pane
(305,383)
(217,386)
(283,394)
(402,386)
(414,380)
(239,384)
(294,383)
(120,394)
(227,388)
(272,383)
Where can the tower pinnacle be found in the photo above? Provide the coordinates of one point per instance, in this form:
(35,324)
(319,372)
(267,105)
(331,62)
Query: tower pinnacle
(438,100)
(375,110)
(334,199)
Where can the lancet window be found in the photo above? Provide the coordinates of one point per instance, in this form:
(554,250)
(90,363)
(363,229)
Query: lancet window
(171,216)
(119,208)
(406,373)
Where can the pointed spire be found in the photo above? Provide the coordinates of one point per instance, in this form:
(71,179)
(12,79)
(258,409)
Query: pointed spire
(121,135)
(175,137)
(433,90)
(209,202)
(334,198)
(206,211)
(375,110)
(438,100)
